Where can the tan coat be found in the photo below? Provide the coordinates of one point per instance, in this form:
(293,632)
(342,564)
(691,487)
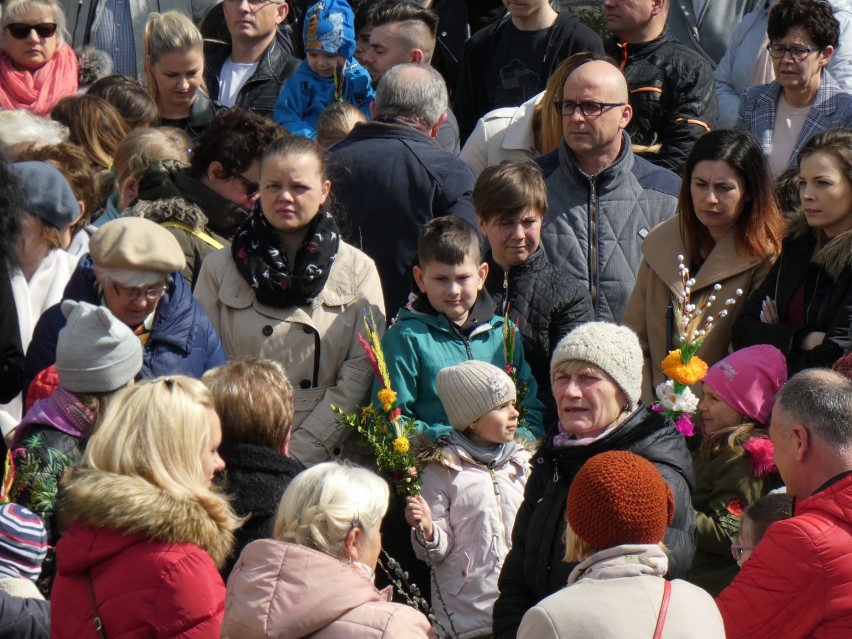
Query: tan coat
(658,279)
(317,343)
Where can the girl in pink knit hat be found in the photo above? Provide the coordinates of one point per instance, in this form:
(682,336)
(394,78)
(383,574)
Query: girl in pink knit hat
(733,465)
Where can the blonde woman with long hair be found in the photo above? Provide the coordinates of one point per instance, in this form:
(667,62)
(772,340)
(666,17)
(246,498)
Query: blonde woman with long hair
(174,72)
(144,528)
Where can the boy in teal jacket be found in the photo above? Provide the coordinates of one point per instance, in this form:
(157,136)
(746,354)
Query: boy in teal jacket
(448,323)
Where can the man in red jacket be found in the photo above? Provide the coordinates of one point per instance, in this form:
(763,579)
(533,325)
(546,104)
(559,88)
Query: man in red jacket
(798,581)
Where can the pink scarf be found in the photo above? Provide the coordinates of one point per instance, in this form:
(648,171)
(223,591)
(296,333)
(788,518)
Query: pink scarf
(38,91)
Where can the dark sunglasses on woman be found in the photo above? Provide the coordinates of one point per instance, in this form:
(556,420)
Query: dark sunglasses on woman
(21,30)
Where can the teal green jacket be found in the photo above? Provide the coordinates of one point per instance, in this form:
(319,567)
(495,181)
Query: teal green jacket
(418,345)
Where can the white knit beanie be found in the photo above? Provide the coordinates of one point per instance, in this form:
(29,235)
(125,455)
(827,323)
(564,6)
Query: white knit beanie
(95,352)
(612,348)
(471,389)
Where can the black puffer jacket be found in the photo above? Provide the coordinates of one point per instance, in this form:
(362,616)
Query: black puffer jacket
(534,567)
(827,278)
(672,95)
(546,304)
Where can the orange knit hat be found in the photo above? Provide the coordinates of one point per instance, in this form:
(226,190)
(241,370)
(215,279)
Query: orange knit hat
(619,498)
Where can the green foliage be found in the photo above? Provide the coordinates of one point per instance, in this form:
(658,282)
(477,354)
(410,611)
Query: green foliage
(381,436)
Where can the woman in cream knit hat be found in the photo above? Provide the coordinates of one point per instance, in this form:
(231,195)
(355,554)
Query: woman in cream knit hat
(596,375)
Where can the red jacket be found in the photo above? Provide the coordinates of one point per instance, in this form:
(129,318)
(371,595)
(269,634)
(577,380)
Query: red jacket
(798,581)
(149,556)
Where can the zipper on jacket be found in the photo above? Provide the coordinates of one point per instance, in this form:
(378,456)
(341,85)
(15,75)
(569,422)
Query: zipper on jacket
(555,471)
(593,242)
(808,310)
(505,301)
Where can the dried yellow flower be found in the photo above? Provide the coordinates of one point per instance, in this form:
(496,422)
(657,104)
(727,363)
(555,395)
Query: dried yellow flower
(401,445)
(386,398)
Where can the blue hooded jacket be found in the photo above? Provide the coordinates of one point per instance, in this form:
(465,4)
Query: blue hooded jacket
(328,27)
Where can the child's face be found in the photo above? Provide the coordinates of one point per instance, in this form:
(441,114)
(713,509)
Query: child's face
(513,239)
(497,426)
(717,414)
(746,539)
(452,288)
(322,63)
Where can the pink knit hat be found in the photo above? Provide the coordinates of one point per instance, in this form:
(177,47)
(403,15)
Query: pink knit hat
(748,380)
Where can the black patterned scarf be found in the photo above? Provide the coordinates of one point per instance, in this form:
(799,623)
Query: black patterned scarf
(261,260)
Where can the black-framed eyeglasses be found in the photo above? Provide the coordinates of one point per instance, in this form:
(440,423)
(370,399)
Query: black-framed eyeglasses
(797,53)
(252,188)
(737,550)
(21,30)
(566,108)
(131,294)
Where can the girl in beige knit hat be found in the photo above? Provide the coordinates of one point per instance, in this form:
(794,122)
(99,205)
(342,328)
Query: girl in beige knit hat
(473,486)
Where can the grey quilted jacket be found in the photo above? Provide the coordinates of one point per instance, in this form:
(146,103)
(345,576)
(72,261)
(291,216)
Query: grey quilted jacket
(595,225)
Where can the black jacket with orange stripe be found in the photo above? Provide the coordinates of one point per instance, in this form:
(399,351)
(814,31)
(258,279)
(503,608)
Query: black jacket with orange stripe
(672,95)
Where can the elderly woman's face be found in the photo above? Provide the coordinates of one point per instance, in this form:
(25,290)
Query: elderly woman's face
(132,304)
(33,50)
(802,74)
(588,402)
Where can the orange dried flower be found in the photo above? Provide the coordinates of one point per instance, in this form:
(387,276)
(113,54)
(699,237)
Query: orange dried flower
(686,374)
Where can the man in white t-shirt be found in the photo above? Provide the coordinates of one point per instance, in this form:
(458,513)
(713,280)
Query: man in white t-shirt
(248,72)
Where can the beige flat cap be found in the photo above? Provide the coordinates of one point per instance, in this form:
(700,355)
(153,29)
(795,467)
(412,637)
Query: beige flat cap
(136,243)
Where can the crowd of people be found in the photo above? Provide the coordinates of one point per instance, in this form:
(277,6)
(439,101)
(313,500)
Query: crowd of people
(212,213)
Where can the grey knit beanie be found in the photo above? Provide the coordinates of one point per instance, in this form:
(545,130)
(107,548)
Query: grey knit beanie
(95,351)
(471,389)
(612,348)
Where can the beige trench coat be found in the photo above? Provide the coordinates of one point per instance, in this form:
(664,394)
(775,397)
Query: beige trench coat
(658,279)
(317,343)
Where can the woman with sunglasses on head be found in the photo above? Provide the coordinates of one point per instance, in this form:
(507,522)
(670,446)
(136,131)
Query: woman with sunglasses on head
(803,99)
(37,67)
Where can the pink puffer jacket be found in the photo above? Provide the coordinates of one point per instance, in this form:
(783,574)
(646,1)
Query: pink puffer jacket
(287,591)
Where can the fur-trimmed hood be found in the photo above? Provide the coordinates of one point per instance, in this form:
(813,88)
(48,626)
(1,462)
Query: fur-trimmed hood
(835,256)
(135,507)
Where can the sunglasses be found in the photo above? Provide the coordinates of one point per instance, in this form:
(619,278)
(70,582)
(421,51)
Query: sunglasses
(21,30)
(252,188)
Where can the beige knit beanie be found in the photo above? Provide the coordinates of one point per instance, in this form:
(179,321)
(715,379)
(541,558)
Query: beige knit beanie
(612,348)
(471,389)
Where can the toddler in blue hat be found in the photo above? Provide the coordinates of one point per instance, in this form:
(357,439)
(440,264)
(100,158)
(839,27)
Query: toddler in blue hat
(328,74)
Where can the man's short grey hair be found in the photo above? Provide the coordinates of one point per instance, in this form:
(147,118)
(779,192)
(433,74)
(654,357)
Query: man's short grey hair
(413,91)
(820,400)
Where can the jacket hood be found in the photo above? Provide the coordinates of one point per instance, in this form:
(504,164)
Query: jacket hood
(835,256)
(293,591)
(114,512)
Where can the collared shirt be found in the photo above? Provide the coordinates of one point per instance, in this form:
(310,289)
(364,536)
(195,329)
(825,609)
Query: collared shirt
(114,35)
